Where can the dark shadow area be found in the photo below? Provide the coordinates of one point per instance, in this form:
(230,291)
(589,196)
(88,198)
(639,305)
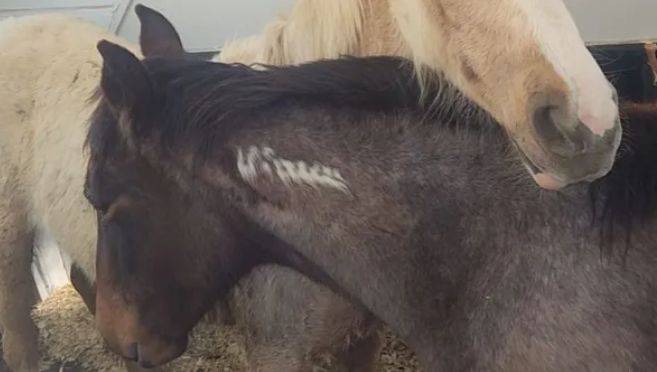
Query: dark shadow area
(627,68)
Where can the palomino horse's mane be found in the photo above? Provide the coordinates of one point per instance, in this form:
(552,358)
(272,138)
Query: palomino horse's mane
(325,29)
(201,104)
(315,30)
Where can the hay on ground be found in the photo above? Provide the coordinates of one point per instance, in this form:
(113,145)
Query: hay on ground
(68,338)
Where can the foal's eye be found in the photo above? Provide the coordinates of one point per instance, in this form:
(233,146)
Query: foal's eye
(100,207)
(98,204)
(103,207)
(112,209)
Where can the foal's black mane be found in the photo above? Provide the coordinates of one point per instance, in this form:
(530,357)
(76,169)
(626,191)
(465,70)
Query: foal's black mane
(628,194)
(202,103)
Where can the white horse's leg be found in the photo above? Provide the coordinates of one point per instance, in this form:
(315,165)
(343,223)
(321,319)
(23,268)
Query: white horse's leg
(17,289)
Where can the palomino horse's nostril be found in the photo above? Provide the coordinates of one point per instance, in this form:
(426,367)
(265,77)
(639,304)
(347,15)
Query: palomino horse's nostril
(544,121)
(559,131)
(582,138)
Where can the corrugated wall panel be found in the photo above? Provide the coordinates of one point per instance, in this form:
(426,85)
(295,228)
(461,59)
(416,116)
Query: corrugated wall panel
(99,11)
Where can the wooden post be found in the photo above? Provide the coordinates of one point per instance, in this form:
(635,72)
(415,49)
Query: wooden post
(651,51)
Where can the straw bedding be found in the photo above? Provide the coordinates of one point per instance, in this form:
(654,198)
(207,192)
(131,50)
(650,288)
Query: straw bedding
(69,343)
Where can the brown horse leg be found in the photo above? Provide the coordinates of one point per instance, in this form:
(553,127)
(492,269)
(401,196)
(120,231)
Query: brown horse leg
(17,288)
(84,287)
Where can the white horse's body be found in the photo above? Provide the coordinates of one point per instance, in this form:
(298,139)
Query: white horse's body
(50,267)
(49,68)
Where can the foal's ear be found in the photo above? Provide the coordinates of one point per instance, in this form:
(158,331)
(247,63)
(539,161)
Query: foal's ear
(124,80)
(157,36)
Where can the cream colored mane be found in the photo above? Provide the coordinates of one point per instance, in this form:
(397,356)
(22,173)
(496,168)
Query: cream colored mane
(320,29)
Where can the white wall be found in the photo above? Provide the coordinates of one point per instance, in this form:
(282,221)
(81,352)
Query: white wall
(100,11)
(205,25)
(615,21)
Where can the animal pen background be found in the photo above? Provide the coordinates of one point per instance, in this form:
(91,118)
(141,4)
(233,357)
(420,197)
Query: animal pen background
(206,24)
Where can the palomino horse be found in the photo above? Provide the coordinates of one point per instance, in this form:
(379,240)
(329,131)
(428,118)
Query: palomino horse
(46,85)
(200,171)
(521,60)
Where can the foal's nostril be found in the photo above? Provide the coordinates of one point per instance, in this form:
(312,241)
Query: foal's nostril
(133,352)
(144,363)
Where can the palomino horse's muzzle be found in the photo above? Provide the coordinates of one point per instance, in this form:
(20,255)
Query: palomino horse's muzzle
(568,149)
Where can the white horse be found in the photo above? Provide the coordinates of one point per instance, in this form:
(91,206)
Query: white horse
(48,71)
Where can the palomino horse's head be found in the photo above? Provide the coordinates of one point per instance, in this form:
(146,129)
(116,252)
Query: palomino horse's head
(524,61)
(150,293)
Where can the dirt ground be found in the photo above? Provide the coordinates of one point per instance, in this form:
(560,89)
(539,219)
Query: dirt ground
(395,357)
(70,344)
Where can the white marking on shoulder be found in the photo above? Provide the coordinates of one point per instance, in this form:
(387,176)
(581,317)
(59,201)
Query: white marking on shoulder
(256,160)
